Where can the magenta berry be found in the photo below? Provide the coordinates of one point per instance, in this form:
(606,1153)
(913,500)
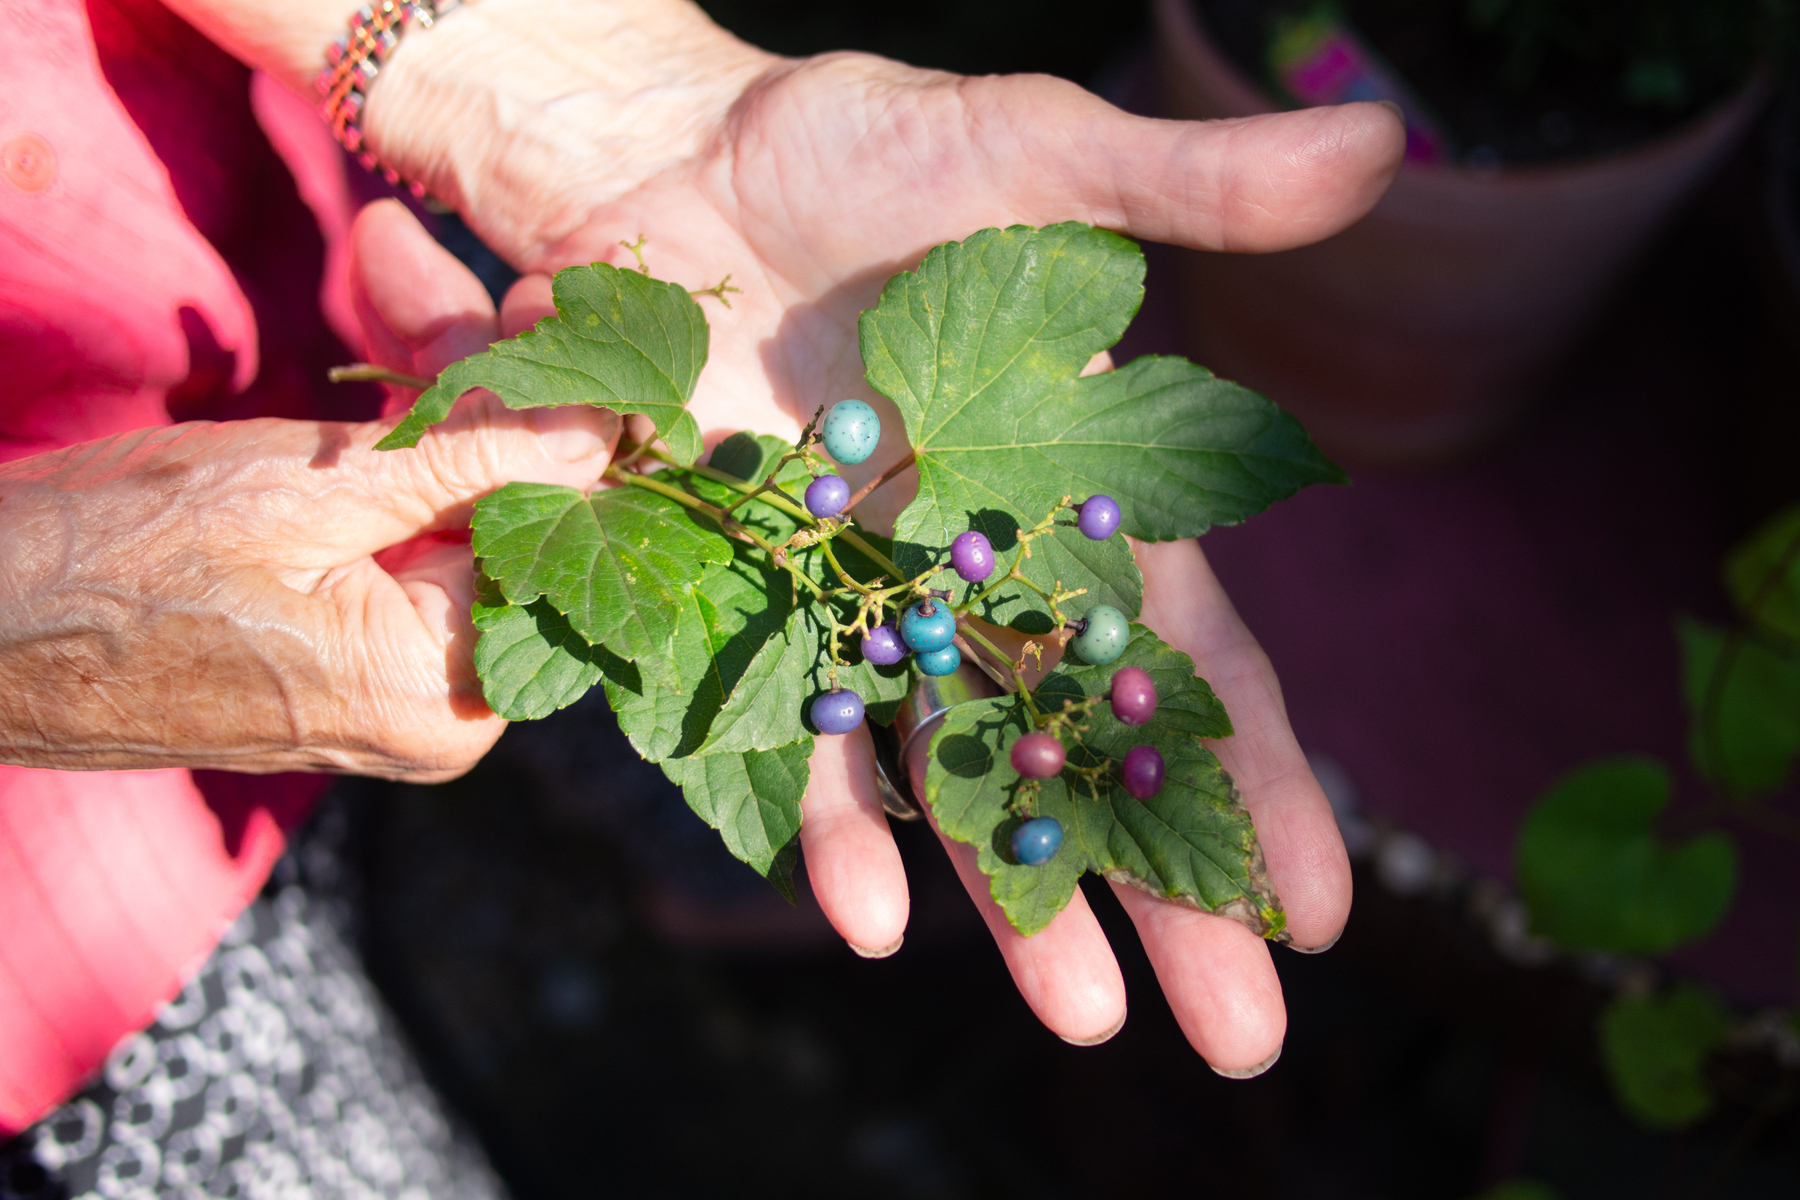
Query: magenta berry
(1143,771)
(826,496)
(972,556)
(1099,517)
(1038,755)
(882,646)
(1133,695)
(837,712)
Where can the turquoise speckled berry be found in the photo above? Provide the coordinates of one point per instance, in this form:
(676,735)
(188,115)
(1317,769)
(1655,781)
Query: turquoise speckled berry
(851,432)
(939,662)
(1036,841)
(1105,636)
(926,629)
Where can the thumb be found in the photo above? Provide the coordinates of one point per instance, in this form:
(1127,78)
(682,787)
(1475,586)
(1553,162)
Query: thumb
(1254,184)
(420,308)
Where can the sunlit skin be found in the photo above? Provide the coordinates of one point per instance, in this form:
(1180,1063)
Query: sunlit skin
(810,182)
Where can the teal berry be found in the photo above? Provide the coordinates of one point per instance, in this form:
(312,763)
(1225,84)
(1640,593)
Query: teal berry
(939,662)
(852,431)
(1103,635)
(1036,841)
(928,625)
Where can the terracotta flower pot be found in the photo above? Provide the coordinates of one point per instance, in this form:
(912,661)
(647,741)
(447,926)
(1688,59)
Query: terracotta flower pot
(1422,329)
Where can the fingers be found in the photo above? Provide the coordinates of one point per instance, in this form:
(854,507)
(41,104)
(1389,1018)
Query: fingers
(1218,978)
(421,309)
(1306,859)
(1259,183)
(852,863)
(1066,971)
(527,302)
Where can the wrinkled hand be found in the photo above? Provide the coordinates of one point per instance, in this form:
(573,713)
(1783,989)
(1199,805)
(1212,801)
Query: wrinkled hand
(270,595)
(811,182)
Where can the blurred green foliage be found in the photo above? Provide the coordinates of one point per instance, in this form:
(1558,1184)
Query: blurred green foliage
(1656,1050)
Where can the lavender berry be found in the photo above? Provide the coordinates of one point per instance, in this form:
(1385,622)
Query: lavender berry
(1036,841)
(1038,755)
(1133,695)
(882,646)
(826,496)
(838,711)
(1099,517)
(1142,771)
(972,555)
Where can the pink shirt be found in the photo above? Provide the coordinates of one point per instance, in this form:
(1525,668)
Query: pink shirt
(161,259)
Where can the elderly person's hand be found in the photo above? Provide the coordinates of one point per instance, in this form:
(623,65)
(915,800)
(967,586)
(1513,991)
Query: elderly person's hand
(561,128)
(272,595)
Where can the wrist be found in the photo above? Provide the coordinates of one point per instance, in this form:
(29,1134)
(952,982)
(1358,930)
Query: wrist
(526,115)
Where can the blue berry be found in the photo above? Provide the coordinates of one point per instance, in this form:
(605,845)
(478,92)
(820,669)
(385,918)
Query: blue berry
(826,496)
(851,432)
(972,556)
(1036,841)
(927,631)
(1104,637)
(939,662)
(837,712)
(882,646)
(1099,517)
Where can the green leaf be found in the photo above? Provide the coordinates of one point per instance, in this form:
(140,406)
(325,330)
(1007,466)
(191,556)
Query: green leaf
(1656,1049)
(618,564)
(752,799)
(530,661)
(1594,876)
(1193,842)
(1521,1189)
(769,705)
(1743,696)
(619,340)
(666,701)
(1763,575)
(981,349)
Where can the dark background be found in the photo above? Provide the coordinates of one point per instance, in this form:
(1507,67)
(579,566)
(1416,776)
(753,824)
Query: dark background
(534,924)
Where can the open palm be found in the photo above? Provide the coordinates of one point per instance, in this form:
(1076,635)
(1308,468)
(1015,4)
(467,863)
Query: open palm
(825,177)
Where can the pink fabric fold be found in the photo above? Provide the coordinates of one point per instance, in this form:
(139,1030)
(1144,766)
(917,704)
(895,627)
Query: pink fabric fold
(159,261)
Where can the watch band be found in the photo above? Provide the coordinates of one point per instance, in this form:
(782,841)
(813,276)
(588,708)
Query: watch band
(354,59)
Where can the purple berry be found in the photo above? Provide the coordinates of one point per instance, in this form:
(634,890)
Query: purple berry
(1133,695)
(837,712)
(1036,841)
(1038,755)
(826,496)
(1143,771)
(1099,517)
(882,646)
(972,556)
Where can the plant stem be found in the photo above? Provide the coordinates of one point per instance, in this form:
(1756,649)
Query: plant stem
(863,492)
(370,373)
(732,528)
(1024,690)
(780,503)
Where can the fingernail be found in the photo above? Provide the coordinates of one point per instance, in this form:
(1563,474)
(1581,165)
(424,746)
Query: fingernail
(1394,108)
(885,951)
(1316,949)
(574,433)
(1099,1037)
(1248,1072)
